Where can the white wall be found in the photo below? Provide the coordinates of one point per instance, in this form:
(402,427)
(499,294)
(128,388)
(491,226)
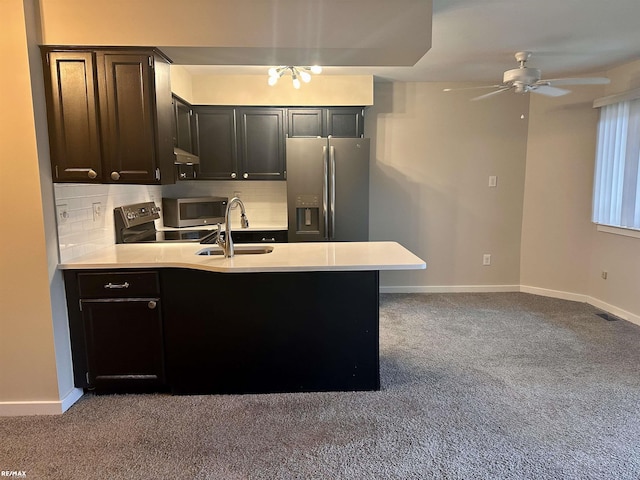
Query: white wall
(618,255)
(432,155)
(557,231)
(563,254)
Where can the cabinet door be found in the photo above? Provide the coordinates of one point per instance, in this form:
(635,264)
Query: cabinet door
(262,143)
(184,128)
(128,117)
(217,143)
(124,342)
(305,122)
(72,109)
(345,122)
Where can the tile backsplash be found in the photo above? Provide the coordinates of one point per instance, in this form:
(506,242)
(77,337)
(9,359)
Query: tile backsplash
(85,212)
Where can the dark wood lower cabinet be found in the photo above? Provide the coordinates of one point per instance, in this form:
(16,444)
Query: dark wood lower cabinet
(124,342)
(218,333)
(115,321)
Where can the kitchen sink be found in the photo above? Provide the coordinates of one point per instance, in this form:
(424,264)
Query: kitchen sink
(238,250)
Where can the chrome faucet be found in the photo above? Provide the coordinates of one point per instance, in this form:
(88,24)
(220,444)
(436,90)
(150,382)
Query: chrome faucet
(227,243)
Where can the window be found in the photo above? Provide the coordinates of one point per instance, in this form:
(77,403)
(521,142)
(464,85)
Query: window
(616,191)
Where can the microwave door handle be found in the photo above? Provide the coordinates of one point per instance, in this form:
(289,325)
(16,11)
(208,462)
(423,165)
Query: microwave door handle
(325,192)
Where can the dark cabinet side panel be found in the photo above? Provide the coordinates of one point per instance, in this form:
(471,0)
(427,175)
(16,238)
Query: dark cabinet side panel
(270,332)
(72,110)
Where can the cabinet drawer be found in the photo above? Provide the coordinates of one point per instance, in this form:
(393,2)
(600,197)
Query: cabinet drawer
(118,284)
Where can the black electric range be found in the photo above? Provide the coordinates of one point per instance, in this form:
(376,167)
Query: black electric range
(135,224)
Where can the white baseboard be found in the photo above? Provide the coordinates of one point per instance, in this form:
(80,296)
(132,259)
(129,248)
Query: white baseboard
(451,289)
(544,292)
(612,309)
(53,407)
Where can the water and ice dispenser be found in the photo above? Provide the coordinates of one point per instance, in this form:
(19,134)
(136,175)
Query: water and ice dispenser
(308,213)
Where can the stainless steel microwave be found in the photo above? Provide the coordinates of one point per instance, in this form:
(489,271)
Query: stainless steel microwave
(192,212)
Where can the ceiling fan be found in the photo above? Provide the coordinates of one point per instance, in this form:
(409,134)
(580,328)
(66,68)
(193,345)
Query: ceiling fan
(527,79)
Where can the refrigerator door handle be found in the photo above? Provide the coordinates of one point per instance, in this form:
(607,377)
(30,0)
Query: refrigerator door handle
(332,206)
(325,192)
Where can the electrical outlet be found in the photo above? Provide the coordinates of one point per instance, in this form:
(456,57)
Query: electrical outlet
(604,275)
(97,211)
(493,181)
(486,259)
(63,213)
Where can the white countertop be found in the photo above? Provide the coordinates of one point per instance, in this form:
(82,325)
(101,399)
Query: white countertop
(285,257)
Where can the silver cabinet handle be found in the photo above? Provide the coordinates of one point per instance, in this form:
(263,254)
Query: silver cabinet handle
(91,173)
(265,239)
(233,175)
(245,175)
(152,304)
(117,285)
(115,176)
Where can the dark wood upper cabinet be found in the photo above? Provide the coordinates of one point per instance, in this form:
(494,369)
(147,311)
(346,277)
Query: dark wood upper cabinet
(244,143)
(305,122)
(72,110)
(217,144)
(345,122)
(262,143)
(324,122)
(248,143)
(110,115)
(185,136)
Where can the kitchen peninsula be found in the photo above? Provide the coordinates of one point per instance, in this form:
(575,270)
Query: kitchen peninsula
(303,317)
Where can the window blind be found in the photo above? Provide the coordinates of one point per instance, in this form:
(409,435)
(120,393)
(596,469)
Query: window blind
(616,194)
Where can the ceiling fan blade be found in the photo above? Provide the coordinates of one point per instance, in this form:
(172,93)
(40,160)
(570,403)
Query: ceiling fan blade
(549,91)
(577,81)
(471,88)
(503,88)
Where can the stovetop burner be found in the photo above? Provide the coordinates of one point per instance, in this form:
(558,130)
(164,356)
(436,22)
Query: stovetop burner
(135,224)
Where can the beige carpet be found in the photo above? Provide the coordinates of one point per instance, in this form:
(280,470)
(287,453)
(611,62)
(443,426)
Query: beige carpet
(475,386)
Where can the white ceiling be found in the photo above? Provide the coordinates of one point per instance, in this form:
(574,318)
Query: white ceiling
(475,40)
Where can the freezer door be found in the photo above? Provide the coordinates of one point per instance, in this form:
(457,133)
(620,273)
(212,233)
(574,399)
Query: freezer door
(349,189)
(307,189)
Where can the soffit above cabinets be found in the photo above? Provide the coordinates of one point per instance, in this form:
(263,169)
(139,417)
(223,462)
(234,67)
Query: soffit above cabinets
(250,32)
(310,32)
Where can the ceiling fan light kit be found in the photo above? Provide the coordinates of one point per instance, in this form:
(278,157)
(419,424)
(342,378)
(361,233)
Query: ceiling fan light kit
(527,79)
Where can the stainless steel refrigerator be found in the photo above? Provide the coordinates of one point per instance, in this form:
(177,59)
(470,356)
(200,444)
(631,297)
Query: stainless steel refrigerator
(328,189)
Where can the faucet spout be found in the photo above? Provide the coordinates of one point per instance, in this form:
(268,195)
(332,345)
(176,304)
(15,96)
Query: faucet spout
(227,243)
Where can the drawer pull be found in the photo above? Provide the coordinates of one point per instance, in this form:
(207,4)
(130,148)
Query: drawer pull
(152,304)
(117,285)
(265,239)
